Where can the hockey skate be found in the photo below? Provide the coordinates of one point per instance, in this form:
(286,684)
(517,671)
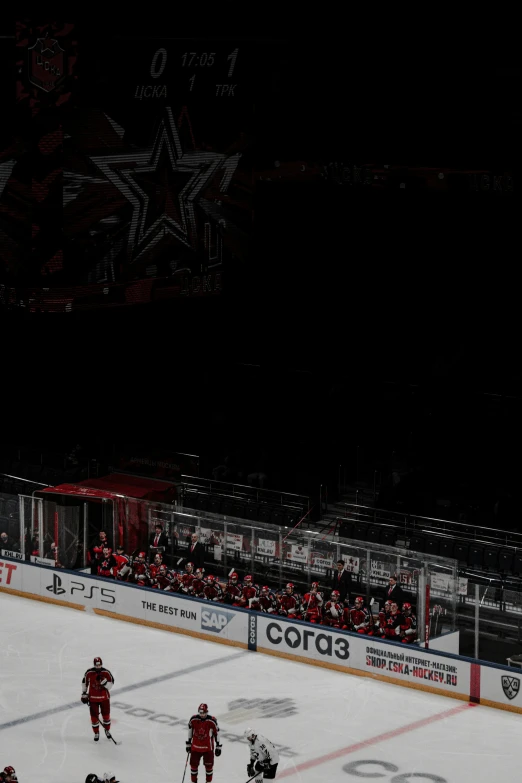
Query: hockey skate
(108,734)
(96,737)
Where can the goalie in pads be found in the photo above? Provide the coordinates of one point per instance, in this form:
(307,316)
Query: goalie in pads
(264,757)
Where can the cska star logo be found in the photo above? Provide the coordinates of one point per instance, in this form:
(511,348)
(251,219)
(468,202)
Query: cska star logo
(510,686)
(46,64)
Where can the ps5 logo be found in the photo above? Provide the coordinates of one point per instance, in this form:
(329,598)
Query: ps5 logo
(56,586)
(107,595)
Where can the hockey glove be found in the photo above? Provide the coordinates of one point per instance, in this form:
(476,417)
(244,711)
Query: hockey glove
(251,770)
(218,749)
(398,630)
(85,698)
(188,746)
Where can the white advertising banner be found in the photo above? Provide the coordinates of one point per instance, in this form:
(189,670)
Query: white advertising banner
(380,570)
(266,547)
(127,600)
(501,685)
(407,664)
(412,664)
(14,555)
(322,562)
(463,586)
(298,553)
(351,563)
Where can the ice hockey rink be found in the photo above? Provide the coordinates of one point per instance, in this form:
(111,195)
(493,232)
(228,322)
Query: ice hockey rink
(331,726)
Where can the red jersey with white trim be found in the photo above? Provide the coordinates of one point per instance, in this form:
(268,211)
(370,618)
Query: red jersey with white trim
(196,588)
(213,592)
(360,618)
(203,733)
(186,582)
(333,613)
(312,605)
(91,684)
(289,605)
(122,564)
(394,623)
(232,591)
(248,593)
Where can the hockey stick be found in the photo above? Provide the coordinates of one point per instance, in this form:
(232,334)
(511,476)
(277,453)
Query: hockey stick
(185,770)
(109,736)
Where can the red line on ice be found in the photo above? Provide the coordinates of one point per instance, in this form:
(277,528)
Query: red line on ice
(418,724)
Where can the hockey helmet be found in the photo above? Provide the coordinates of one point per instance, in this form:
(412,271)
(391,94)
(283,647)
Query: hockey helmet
(92,778)
(406,607)
(336,595)
(290,587)
(234,577)
(265,589)
(359,600)
(250,734)
(248,579)
(98,663)
(203,709)
(211,579)
(315,585)
(189,567)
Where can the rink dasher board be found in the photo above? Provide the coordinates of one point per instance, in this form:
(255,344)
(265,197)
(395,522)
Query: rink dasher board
(443,673)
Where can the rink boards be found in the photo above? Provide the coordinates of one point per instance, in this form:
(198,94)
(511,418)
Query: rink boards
(412,667)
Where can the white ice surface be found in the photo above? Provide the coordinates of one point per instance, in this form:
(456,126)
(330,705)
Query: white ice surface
(44,651)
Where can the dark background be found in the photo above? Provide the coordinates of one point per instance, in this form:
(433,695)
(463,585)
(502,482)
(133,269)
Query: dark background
(385,319)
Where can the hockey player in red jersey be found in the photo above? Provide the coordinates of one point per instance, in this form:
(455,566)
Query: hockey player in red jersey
(312,605)
(395,624)
(155,567)
(248,592)
(123,566)
(187,578)
(383,617)
(409,635)
(359,618)
(212,589)
(289,603)
(233,589)
(140,571)
(96,685)
(333,610)
(265,601)
(8,775)
(202,737)
(162,580)
(108,566)
(198,583)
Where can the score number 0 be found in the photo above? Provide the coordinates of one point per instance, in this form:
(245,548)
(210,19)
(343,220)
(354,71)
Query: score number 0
(161,55)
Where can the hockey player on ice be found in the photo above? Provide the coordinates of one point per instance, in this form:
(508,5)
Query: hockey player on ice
(96,685)
(264,757)
(108,777)
(8,775)
(203,734)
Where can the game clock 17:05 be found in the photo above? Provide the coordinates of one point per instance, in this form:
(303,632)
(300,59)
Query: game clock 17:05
(164,127)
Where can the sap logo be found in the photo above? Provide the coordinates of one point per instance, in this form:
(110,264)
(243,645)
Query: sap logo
(215,619)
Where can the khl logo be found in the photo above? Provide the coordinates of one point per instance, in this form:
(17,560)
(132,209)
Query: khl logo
(215,619)
(56,586)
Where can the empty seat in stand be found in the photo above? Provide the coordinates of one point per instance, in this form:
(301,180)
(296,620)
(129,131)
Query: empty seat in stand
(265,514)
(214,505)
(417,543)
(374,534)
(360,531)
(517,563)
(388,536)
(345,528)
(447,547)
(475,554)
(505,559)
(432,546)
(251,511)
(279,516)
(461,552)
